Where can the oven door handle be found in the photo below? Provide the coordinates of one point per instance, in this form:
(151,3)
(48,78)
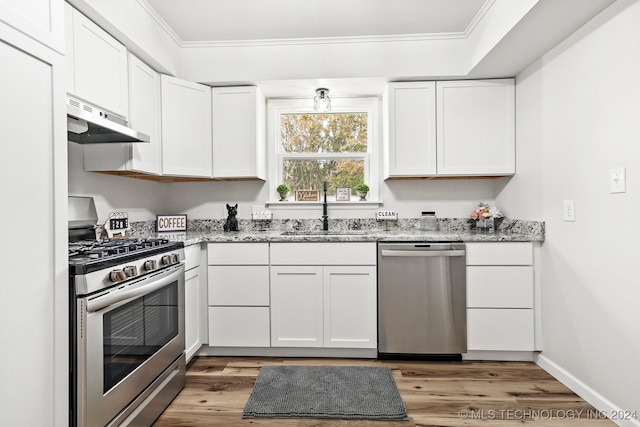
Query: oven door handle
(135,290)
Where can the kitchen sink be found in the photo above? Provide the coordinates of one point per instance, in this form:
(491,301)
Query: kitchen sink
(324,233)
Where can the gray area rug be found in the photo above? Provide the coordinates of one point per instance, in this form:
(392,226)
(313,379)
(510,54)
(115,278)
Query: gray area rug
(346,392)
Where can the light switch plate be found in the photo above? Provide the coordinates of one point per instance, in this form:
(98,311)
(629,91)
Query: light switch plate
(618,180)
(569,210)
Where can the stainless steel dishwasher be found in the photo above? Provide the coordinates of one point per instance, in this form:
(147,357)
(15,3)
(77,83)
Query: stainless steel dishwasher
(422,299)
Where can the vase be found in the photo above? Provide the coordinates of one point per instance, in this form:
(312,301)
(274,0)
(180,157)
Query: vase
(363,196)
(283,197)
(485,225)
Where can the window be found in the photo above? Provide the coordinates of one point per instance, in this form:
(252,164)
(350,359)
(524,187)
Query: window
(310,148)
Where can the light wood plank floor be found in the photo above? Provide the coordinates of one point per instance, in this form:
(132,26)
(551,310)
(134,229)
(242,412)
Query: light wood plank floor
(434,393)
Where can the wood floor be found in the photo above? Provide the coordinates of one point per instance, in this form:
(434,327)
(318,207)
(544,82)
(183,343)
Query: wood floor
(434,393)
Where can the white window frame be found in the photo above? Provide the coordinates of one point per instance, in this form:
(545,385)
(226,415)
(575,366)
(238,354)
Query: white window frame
(369,105)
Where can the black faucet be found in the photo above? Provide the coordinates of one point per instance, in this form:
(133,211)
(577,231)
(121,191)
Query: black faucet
(325,217)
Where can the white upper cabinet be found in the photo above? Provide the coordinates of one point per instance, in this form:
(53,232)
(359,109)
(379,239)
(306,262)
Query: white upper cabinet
(450,128)
(98,64)
(144,116)
(238,132)
(411,131)
(186,128)
(476,127)
(42,20)
(144,112)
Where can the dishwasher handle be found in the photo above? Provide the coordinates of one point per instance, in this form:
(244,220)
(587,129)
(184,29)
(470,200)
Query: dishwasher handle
(441,253)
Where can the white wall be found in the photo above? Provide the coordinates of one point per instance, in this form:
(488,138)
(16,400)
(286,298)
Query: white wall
(141,199)
(578,116)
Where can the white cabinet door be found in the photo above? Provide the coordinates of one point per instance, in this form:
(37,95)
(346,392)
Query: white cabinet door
(500,286)
(238,133)
(186,128)
(192,313)
(350,307)
(144,116)
(193,306)
(296,306)
(239,285)
(43,20)
(35,304)
(476,127)
(99,66)
(239,327)
(500,329)
(411,130)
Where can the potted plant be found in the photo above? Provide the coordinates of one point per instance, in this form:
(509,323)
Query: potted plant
(362,190)
(283,190)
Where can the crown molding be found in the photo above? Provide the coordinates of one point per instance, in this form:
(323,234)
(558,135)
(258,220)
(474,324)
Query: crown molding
(316,40)
(161,22)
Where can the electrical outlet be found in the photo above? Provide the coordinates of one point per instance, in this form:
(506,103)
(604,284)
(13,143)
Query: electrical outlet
(617,180)
(569,210)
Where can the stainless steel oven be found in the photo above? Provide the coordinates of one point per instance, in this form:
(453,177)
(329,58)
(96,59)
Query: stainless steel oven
(126,329)
(128,337)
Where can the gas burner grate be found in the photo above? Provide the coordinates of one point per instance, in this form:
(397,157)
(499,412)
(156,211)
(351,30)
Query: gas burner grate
(113,247)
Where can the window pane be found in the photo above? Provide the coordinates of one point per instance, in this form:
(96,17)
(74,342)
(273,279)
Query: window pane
(324,133)
(310,174)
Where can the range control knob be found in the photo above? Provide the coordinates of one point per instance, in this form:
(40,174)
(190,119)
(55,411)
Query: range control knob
(131,270)
(165,260)
(150,265)
(175,258)
(117,276)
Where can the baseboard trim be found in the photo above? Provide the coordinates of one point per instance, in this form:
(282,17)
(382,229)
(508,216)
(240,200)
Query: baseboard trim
(510,356)
(594,398)
(288,352)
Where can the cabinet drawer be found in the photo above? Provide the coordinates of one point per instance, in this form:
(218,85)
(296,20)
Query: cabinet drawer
(238,285)
(324,253)
(238,253)
(500,329)
(192,257)
(488,253)
(239,327)
(500,287)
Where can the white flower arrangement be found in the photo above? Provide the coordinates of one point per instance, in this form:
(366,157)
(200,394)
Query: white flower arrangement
(484,211)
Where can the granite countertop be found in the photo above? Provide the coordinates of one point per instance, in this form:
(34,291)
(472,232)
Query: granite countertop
(192,238)
(348,230)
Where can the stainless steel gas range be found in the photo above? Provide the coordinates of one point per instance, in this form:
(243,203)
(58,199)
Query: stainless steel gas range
(127,328)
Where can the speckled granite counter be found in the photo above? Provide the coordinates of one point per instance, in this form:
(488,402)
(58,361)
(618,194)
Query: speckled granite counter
(351,230)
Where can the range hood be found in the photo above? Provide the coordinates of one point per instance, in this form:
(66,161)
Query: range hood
(87,124)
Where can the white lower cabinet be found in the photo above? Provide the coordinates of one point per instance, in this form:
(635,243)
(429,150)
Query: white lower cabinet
(238,298)
(350,306)
(323,305)
(192,301)
(500,296)
(296,306)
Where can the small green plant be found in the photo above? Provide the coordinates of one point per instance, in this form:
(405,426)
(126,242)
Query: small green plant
(283,188)
(361,188)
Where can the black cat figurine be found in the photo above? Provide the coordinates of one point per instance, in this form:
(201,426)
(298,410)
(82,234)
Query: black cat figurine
(232,222)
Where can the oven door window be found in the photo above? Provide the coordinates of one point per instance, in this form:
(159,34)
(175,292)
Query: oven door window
(135,331)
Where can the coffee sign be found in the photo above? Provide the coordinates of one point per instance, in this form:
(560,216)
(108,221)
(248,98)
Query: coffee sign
(171,223)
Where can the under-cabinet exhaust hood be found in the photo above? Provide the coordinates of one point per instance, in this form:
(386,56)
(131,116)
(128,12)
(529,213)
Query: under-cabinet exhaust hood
(87,124)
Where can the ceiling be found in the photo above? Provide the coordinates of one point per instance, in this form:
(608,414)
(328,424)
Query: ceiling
(248,24)
(245,20)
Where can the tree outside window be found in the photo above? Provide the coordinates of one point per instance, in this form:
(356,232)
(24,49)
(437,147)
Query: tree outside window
(331,147)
